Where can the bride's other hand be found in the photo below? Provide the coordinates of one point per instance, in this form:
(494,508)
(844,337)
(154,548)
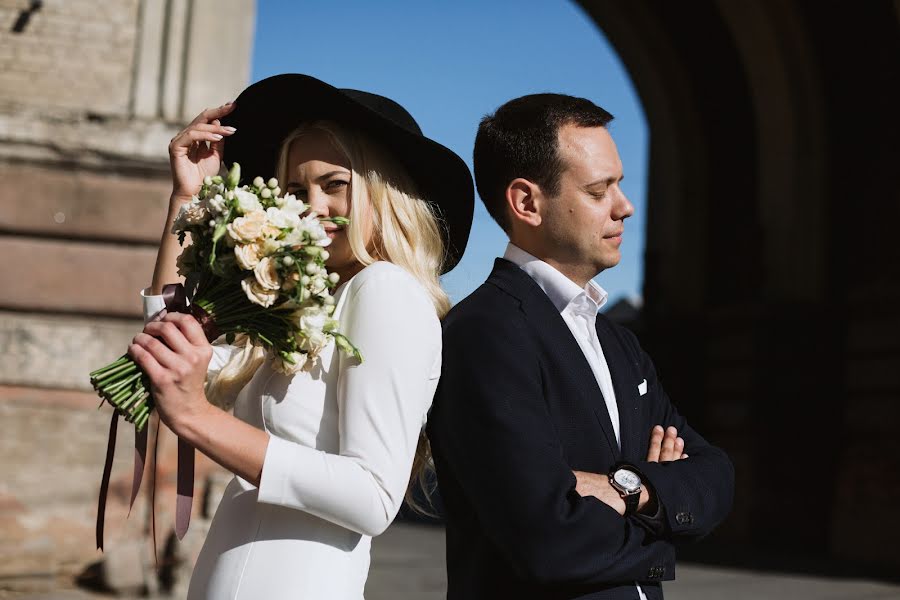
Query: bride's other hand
(197,151)
(175,355)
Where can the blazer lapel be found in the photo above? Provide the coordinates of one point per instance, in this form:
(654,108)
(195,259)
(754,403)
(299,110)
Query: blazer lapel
(626,396)
(544,317)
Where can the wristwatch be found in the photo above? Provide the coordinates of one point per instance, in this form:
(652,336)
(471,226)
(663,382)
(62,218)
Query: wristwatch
(628,484)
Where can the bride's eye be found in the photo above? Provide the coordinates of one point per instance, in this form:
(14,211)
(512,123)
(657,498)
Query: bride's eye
(297,191)
(336,184)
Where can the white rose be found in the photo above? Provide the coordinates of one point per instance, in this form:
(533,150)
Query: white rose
(258,294)
(312,321)
(316,339)
(247,255)
(191,213)
(266,273)
(247,228)
(282,219)
(246,201)
(290,204)
(270,246)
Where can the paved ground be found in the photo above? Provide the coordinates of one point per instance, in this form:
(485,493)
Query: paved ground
(408,564)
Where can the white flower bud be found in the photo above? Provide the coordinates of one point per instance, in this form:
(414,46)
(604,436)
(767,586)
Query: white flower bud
(329,308)
(311,268)
(325,255)
(287,260)
(304,281)
(333,277)
(207,180)
(229,195)
(266,193)
(328,300)
(272,183)
(212,222)
(276,191)
(259,182)
(279,202)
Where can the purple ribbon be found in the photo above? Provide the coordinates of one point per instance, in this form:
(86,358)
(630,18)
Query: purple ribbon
(176,301)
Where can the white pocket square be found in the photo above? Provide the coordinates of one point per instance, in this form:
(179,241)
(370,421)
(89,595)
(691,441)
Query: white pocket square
(642,387)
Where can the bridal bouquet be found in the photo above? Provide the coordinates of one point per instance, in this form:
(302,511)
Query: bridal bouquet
(256,266)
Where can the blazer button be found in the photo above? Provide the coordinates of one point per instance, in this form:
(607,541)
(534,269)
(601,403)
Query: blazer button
(683,518)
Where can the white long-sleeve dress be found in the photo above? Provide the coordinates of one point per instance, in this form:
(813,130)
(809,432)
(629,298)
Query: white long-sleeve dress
(342,441)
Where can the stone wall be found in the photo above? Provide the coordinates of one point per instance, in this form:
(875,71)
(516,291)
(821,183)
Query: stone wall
(91,92)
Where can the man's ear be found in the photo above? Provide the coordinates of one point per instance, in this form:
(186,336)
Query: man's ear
(524,201)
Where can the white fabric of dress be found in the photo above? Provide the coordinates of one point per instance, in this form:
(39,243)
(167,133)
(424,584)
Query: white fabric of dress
(342,441)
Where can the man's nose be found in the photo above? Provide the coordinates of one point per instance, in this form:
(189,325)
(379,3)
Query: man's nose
(623,208)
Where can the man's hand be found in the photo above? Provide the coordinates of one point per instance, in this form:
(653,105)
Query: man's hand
(665,445)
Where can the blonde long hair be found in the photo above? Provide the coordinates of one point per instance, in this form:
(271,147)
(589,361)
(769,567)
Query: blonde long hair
(406,232)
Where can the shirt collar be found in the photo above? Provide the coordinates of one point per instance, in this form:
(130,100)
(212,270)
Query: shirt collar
(561,290)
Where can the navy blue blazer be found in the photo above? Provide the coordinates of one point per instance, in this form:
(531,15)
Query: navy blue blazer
(517,410)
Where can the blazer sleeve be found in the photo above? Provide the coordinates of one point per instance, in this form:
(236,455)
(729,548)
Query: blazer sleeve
(695,493)
(382,403)
(494,433)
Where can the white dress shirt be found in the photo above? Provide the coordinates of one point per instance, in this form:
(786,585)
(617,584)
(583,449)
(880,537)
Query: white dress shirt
(578,307)
(341,446)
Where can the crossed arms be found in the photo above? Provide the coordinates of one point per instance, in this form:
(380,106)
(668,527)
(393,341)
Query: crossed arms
(498,439)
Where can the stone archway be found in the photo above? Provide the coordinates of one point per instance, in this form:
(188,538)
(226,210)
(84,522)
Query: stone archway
(771,277)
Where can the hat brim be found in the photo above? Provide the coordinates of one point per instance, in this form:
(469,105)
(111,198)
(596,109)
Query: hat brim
(267,111)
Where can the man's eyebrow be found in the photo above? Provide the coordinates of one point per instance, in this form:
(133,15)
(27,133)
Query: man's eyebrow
(606,181)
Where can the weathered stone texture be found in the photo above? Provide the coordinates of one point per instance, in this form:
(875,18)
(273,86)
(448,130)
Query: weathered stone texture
(71,54)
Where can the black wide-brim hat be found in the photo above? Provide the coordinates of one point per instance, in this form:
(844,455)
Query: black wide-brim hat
(267,111)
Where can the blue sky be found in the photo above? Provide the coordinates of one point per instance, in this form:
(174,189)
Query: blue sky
(450,63)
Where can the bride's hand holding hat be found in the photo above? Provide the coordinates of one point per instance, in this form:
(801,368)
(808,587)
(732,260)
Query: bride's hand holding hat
(191,158)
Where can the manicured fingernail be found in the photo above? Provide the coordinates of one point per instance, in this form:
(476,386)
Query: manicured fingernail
(216,136)
(229,129)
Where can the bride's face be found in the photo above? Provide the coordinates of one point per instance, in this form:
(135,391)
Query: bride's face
(319,174)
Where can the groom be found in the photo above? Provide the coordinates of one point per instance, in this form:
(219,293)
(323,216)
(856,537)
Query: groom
(565,470)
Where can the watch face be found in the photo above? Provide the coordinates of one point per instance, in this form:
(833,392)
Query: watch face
(627,479)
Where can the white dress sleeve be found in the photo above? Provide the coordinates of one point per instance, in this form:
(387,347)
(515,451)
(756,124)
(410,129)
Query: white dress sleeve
(222,352)
(383,403)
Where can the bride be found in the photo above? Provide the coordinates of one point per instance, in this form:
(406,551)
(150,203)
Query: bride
(321,459)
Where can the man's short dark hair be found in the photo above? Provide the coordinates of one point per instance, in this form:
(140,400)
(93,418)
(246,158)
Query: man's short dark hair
(521,139)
